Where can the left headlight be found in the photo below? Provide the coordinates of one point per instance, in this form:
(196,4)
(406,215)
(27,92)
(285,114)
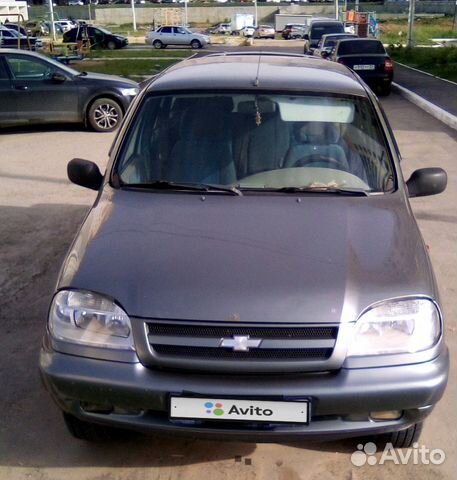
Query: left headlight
(396,326)
(87,318)
(129,92)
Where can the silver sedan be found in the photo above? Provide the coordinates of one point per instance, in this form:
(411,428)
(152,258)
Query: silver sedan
(173,35)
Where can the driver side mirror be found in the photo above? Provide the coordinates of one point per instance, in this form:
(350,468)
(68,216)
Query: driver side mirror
(84,173)
(426,181)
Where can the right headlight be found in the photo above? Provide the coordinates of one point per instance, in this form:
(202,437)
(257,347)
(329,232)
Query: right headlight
(87,318)
(396,326)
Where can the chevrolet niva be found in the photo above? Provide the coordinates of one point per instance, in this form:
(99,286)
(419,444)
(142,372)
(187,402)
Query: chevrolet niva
(251,267)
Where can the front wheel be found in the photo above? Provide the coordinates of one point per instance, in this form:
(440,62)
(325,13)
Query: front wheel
(111,45)
(105,115)
(157,44)
(195,44)
(402,439)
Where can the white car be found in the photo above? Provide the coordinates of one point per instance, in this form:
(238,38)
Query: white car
(175,35)
(65,25)
(247,31)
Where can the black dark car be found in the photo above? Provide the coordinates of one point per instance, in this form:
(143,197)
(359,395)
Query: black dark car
(99,37)
(13,39)
(317,28)
(293,30)
(251,268)
(35,89)
(369,59)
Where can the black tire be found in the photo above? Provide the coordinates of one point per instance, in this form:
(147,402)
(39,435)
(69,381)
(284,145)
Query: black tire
(89,432)
(111,45)
(402,439)
(157,44)
(105,115)
(195,44)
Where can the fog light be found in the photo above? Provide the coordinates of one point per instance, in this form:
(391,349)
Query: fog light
(386,415)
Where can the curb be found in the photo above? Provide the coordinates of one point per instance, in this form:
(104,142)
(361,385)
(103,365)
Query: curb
(437,112)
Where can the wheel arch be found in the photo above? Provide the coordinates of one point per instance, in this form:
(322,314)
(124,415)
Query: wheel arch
(111,95)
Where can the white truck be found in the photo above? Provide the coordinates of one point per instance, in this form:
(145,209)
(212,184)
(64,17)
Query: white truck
(240,21)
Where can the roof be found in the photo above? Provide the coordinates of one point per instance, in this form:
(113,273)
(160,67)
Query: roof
(271,70)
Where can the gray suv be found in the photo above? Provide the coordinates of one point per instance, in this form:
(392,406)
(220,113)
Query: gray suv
(251,267)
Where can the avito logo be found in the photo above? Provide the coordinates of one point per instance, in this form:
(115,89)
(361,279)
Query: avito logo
(216,409)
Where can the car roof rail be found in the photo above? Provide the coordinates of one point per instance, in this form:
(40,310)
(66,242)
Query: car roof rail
(258,52)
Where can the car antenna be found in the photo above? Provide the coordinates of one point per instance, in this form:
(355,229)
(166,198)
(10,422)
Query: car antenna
(256,81)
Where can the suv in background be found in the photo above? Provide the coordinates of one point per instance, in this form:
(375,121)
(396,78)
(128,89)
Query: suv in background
(317,28)
(251,267)
(293,31)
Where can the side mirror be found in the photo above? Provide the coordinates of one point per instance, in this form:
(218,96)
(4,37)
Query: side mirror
(325,54)
(58,77)
(306,37)
(426,181)
(84,173)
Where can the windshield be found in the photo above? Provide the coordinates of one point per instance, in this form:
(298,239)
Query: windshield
(319,29)
(256,142)
(104,30)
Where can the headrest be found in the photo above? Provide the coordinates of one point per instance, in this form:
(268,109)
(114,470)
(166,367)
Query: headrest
(317,133)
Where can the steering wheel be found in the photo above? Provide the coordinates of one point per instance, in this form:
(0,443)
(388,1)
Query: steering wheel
(309,160)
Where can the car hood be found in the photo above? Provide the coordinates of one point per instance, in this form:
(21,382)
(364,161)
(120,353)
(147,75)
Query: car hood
(110,78)
(256,258)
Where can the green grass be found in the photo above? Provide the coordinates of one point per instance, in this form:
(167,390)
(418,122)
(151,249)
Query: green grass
(137,53)
(395,31)
(124,68)
(440,61)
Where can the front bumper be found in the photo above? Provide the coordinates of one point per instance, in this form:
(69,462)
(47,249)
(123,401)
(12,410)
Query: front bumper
(340,401)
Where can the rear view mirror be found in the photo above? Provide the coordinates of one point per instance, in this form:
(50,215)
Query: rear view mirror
(84,173)
(426,181)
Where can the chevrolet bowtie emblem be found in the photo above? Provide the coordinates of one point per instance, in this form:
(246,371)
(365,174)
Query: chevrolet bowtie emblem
(241,343)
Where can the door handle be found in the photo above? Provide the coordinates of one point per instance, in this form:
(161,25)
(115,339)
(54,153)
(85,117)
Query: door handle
(21,87)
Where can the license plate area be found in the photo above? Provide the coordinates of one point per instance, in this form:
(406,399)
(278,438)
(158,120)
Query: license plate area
(364,67)
(239,410)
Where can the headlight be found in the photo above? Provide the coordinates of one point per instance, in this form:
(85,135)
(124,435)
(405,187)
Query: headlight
(89,319)
(400,326)
(129,92)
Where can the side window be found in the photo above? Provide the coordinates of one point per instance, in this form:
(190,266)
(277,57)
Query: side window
(166,30)
(3,73)
(27,69)
(179,30)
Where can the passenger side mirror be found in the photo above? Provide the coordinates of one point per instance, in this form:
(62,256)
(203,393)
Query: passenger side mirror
(84,173)
(427,181)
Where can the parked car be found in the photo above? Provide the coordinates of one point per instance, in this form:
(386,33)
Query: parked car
(247,31)
(327,43)
(221,29)
(13,39)
(175,35)
(18,28)
(36,27)
(251,267)
(293,31)
(36,89)
(317,28)
(368,58)
(99,37)
(264,31)
(65,25)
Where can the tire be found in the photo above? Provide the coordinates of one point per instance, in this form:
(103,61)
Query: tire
(111,45)
(195,44)
(157,44)
(402,439)
(105,115)
(89,432)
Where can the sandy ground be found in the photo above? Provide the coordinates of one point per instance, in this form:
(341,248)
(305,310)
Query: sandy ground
(39,214)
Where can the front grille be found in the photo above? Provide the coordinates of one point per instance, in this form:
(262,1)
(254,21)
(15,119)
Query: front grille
(270,348)
(180,330)
(263,354)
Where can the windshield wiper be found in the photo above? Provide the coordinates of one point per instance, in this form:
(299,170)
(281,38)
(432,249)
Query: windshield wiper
(197,187)
(321,189)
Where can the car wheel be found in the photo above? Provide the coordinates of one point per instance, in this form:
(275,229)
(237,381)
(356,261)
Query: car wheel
(402,439)
(90,432)
(157,44)
(195,44)
(105,115)
(111,45)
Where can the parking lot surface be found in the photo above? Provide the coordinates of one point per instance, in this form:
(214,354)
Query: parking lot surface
(40,212)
